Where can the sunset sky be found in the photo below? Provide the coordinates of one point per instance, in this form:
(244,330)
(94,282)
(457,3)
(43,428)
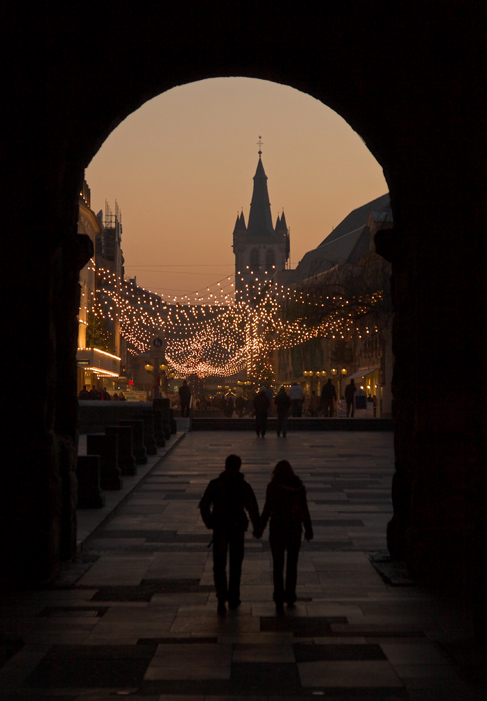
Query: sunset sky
(181,169)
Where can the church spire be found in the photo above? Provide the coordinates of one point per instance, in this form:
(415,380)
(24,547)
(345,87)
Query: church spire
(260,220)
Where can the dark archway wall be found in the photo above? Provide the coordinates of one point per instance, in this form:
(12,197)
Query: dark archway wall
(410,82)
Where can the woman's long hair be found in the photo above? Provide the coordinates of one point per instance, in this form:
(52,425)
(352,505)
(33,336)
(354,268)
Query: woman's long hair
(283,473)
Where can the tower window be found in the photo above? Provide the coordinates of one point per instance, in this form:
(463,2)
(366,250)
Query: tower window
(254,259)
(270,258)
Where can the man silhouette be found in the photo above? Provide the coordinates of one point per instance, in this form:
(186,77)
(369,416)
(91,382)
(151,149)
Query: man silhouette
(223,507)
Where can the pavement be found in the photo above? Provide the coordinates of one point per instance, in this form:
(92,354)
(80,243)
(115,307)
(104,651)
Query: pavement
(135,614)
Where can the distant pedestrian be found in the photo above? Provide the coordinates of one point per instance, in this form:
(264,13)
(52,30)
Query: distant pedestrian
(94,393)
(283,404)
(328,398)
(349,398)
(223,509)
(229,405)
(314,404)
(296,396)
(84,394)
(184,398)
(240,405)
(261,408)
(287,507)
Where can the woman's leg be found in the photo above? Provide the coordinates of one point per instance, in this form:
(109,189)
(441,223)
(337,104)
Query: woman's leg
(293,546)
(277,549)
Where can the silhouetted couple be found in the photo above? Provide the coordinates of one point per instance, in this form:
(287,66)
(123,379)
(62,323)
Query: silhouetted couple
(224,508)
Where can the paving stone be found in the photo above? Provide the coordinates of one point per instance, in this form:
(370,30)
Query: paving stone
(341,652)
(82,666)
(300,627)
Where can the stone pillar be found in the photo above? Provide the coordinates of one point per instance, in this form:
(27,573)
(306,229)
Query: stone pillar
(126,458)
(158,429)
(107,448)
(90,495)
(164,405)
(137,425)
(149,434)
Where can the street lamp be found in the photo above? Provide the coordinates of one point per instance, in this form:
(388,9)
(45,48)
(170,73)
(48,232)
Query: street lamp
(339,373)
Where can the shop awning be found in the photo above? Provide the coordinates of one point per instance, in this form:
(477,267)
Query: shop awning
(361,373)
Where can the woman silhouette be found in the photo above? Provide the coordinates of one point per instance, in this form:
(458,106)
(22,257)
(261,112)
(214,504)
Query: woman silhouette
(287,507)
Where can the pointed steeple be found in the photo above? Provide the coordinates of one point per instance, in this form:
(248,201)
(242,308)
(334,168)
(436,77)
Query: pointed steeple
(281,225)
(239,224)
(260,220)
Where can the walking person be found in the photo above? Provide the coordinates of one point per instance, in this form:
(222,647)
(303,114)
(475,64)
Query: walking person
(261,408)
(328,398)
(349,398)
(184,398)
(314,404)
(287,507)
(283,404)
(296,395)
(223,507)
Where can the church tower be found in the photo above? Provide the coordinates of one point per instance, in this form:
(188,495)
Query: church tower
(260,249)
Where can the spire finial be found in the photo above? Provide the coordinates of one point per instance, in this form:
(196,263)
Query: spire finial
(260,144)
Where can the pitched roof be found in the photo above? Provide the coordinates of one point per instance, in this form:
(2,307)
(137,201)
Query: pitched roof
(347,243)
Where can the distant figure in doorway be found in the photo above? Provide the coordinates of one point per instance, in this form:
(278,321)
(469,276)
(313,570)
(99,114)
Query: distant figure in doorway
(184,398)
(287,507)
(328,398)
(314,404)
(261,408)
(104,395)
(296,396)
(283,404)
(349,398)
(223,509)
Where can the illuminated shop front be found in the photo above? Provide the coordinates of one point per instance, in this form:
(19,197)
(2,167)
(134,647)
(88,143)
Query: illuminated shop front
(97,368)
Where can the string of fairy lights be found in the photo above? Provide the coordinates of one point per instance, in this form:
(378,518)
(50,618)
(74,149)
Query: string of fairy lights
(214,332)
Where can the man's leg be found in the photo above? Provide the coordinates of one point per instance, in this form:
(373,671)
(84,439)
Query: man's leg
(237,549)
(220,546)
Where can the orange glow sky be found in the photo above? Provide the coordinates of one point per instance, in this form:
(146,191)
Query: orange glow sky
(181,169)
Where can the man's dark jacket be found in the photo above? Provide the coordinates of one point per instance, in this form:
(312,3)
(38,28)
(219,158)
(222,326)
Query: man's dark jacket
(225,502)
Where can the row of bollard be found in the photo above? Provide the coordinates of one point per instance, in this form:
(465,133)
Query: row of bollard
(116,453)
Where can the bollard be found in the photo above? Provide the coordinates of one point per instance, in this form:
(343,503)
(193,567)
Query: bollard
(158,429)
(172,422)
(150,441)
(126,458)
(140,452)
(107,448)
(88,473)
(164,405)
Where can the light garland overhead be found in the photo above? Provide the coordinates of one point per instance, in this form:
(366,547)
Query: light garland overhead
(210,333)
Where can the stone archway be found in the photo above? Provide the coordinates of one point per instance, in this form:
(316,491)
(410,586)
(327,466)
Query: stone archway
(384,72)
